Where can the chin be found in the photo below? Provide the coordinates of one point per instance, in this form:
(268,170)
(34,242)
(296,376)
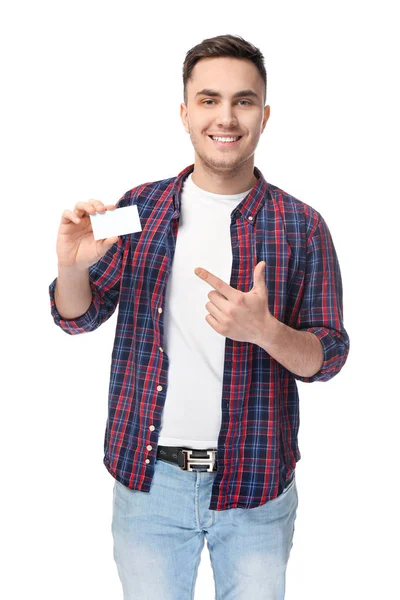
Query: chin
(223,166)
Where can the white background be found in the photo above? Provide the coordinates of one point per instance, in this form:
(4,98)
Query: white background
(90,109)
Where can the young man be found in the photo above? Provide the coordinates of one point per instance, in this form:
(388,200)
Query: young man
(215,324)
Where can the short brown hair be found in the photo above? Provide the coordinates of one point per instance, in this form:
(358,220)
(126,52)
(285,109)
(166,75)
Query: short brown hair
(220,46)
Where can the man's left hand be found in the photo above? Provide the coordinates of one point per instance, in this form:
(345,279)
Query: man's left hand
(240,316)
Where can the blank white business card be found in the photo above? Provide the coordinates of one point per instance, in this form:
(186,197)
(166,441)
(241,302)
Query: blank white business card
(111,223)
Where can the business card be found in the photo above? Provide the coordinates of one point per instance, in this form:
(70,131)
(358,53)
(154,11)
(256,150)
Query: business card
(120,221)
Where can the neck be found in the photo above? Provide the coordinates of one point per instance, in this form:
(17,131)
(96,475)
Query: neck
(222,181)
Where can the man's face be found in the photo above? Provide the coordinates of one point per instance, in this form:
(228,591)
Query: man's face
(225,115)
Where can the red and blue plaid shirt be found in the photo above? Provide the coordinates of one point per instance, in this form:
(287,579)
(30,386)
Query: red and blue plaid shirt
(257,443)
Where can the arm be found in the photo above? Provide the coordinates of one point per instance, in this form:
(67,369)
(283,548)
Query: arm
(72,294)
(300,352)
(81,297)
(103,279)
(316,348)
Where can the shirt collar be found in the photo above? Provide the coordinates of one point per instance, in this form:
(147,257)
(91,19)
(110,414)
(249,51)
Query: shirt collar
(248,207)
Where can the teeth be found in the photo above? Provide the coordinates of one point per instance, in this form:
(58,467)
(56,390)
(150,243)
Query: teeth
(225,139)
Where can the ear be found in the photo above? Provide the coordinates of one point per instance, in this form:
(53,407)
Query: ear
(184,117)
(267,112)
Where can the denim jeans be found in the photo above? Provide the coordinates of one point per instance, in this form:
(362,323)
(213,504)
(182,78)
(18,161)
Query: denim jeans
(159,535)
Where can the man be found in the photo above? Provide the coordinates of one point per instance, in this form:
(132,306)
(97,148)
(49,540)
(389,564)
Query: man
(215,324)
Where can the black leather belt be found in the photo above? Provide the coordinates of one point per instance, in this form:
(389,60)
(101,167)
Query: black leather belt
(193,459)
(189,459)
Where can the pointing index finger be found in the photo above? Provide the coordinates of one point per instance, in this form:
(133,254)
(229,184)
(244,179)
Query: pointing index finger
(218,284)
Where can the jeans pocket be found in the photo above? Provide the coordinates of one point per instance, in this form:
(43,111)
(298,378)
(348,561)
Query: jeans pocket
(289,487)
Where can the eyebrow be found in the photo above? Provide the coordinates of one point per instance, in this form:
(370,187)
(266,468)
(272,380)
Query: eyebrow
(216,94)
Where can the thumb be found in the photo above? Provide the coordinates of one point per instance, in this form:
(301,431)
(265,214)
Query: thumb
(106,244)
(259,276)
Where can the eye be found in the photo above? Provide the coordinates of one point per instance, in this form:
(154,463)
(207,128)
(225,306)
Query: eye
(248,103)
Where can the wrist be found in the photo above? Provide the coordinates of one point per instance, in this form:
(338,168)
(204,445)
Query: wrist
(70,269)
(270,333)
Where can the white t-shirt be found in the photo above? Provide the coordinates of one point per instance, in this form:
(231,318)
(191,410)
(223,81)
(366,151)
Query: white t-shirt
(192,411)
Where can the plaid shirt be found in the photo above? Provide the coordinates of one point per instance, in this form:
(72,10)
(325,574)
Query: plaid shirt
(257,443)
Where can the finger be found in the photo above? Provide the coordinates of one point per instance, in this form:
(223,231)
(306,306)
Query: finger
(99,206)
(69,216)
(108,242)
(212,321)
(218,299)
(84,208)
(90,207)
(218,284)
(214,311)
(259,275)
(98,209)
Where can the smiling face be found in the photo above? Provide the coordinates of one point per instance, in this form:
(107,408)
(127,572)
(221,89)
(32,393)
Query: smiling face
(225,98)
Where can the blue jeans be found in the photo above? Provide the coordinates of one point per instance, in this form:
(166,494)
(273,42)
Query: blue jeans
(159,535)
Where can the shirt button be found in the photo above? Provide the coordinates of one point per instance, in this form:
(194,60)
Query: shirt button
(159,388)
(152,428)
(161,350)
(160,310)
(149,447)
(250,218)
(147,460)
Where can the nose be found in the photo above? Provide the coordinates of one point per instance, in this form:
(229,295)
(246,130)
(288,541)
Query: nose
(226,117)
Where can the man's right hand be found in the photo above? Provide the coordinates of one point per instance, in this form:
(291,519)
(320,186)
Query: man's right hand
(76,246)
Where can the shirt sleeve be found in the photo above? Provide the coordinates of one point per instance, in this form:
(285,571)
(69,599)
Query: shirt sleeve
(321,310)
(104,279)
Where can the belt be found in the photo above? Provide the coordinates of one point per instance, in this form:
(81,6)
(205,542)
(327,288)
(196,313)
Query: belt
(192,459)
(189,459)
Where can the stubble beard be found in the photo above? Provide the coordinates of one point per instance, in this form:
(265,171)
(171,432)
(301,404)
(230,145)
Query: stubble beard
(221,165)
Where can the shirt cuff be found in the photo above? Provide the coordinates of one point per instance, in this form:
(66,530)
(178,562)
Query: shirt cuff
(335,351)
(80,324)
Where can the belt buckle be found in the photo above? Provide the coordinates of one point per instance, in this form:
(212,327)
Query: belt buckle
(188,461)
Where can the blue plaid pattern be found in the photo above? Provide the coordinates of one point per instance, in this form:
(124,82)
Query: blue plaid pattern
(257,443)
